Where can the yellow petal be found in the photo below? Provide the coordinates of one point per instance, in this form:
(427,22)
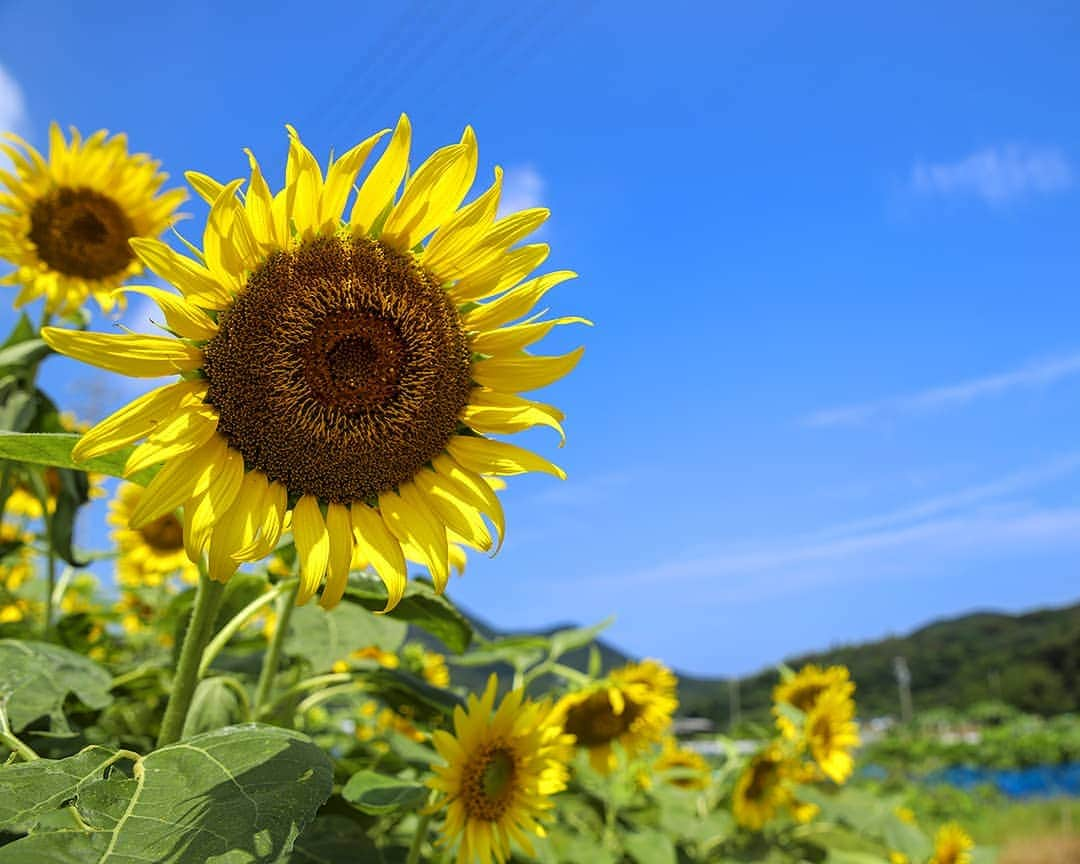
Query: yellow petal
(498,239)
(205,186)
(180,480)
(472,487)
(260,206)
(127,353)
(312,546)
(524,371)
(432,194)
(275,506)
(339,528)
(135,420)
(503,272)
(378,188)
(487,456)
(189,428)
(507,340)
(183,318)
(411,520)
(451,244)
(514,304)
(454,512)
(503,413)
(340,178)
(303,184)
(202,515)
(232,532)
(194,280)
(383,551)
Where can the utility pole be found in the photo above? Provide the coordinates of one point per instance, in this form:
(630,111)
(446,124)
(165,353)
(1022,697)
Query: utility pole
(903,681)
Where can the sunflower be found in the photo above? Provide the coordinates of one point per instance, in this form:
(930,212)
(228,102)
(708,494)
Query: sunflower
(150,554)
(434,669)
(502,766)
(689,769)
(340,371)
(952,845)
(831,734)
(65,223)
(763,788)
(386,659)
(802,690)
(632,706)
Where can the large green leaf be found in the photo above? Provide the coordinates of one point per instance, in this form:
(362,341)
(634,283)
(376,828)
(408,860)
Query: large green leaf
(649,847)
(240,794)
(402,689)
(23,353)
(55,449)
(30,789)
(36,678)
(333,837)
(377,794)
(564,641)
(322,637)
(217,702)
(420,606)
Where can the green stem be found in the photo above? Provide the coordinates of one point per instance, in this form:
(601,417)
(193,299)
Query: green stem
(236,622)
(285,604)
(307,684)
(418,838)
(201,626)
(8,739)
(50,590)
(329,693)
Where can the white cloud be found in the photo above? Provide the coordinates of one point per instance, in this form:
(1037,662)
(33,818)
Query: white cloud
(996,175)
(12,104)
(523,187)
(1038,373)
(978,523)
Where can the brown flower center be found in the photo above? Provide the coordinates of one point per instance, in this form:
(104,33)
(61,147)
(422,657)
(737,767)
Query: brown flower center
(81,232)
(765,773)
(165,534)
(595,722)
(341,370)
(487,783)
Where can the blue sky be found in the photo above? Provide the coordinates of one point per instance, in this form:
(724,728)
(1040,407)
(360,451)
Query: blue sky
(831,254)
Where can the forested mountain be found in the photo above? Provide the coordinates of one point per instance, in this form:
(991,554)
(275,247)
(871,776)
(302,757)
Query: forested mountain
(1031,661)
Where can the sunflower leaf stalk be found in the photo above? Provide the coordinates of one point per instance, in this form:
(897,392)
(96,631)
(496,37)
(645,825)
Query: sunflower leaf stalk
(200,628)
(272,660)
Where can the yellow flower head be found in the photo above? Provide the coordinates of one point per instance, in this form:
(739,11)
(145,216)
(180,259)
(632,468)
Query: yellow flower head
(435,670)
(763,789)
(952,845)
(633,706)
(150,554)
(502,766)
(689,768)
(344,371)
(386,659)
(65,223)
(831,734)
(17,566)
(803,689)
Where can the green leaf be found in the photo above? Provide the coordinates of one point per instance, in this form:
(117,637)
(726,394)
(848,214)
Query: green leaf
(420,606)
(31,789)
(55,449)
(322,637)
(73,493)
(23,354)
(563,641)
(36,678)
(239,794)
(217,702)
(333,837)
(519,651)
(399,689)
(24,329)
(378,794)
(649,847)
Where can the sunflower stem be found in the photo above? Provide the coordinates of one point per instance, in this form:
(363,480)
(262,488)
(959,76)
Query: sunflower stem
(200,628)
(285,604)
(236,622)
(418,838)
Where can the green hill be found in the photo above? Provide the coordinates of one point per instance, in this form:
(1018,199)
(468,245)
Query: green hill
(1031,661)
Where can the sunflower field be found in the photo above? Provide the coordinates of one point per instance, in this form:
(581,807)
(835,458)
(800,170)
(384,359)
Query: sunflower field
(262,664)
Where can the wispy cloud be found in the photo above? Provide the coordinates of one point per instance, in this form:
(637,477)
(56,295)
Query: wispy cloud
(12,108)
(996,175)
(1037,373)
(988,519)
(523,187)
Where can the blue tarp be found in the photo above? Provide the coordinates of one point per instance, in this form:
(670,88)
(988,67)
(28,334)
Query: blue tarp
(1044,781)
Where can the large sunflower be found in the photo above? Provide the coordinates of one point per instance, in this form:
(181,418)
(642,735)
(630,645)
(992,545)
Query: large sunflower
(763,788)
(632,706)
(831,734)
(150,554)
(65,223)
(502,766)
(342,371)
